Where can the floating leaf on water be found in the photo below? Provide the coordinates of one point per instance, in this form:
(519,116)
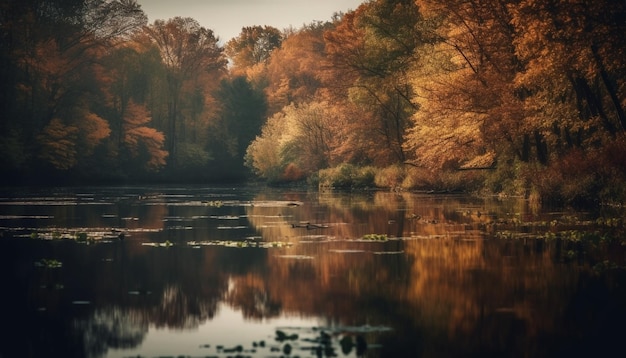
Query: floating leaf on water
(388,252)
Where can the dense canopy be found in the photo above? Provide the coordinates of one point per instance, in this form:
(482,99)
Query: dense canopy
(508,96)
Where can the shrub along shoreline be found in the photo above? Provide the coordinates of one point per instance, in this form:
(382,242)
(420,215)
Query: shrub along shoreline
(564,183)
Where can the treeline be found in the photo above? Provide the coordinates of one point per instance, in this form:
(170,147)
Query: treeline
(509,96)
(91,92)
(516,96)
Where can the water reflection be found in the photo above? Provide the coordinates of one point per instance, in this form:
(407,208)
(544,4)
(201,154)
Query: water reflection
(369,274)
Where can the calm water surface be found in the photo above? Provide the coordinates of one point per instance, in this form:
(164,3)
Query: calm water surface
(258,272)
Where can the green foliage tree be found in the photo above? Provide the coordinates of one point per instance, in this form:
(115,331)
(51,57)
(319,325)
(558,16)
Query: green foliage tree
(239,120)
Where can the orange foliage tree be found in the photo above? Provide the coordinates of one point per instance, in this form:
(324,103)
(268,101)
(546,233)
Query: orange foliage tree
(372,50)
(137,136)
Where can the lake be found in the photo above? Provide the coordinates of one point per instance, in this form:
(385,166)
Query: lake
(250,271)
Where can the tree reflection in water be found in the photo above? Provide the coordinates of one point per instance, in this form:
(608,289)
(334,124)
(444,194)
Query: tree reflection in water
(375,274)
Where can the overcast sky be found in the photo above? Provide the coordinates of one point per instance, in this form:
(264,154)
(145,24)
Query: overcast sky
(227,17)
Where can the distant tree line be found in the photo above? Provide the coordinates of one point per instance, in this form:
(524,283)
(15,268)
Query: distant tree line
(91,92)
(517,96)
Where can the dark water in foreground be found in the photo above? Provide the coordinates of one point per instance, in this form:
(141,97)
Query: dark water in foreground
(227,272)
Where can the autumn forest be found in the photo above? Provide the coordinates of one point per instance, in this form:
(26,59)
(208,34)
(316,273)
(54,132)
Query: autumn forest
(515,97)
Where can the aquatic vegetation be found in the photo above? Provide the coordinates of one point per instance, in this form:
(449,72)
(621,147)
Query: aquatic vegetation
(241,244)
(375,237)
(49,263)
(167,243)
(282,336)
(215,203)
(80,235)
(604,266)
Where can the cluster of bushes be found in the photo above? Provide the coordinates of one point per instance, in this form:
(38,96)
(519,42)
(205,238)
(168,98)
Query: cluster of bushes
(582,177)
(577,178)
(346,176)
(396,177)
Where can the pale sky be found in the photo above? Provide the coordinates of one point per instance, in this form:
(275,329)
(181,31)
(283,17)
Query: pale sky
(227,17)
